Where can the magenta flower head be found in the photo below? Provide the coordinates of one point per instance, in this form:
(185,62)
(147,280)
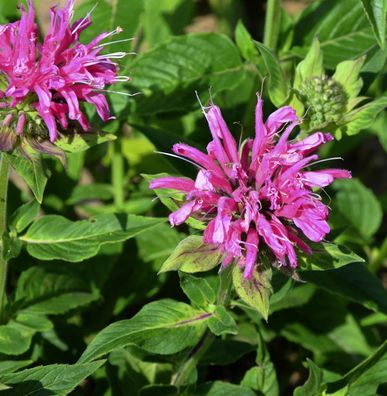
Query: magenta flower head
(43,83)
(259,196)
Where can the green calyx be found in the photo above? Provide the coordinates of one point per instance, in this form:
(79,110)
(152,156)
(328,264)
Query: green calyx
(325,100)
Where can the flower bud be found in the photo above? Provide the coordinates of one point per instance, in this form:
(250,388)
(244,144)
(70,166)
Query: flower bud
(325,99)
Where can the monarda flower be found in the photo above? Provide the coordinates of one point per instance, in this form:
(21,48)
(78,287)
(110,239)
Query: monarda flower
(259,196)
(43,83)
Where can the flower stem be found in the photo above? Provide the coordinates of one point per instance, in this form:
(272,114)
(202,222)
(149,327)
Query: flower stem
(272,24)
(118,174)
(191,360)
(4,171)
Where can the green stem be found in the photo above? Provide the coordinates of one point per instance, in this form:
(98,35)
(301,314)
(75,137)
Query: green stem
(118,174)
(192,358)
(272,24)
(3,226)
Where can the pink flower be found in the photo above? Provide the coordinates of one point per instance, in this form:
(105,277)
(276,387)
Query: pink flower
(256,195)
(49,79)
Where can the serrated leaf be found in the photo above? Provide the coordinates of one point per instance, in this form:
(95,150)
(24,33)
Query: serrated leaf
(184,64)
(376,14)
(314,385)
(13,341)
(110,15)
(362,117)
(24,216)
(31,171)
(245,42)
(344,31)
(347,74)
(198,290)
(353,281)
(330,256)
(359,206)
(365,378)
(55,237)
(278,87)
(88,192)
(158,28)
(262,378)
(311,66)
(256,291)
(54,379)
(162,327)
(10,366)
(221,322)
(219,388)
(193,255)
(81,142)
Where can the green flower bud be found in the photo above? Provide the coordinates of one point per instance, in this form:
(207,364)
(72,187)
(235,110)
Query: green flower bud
(325,100)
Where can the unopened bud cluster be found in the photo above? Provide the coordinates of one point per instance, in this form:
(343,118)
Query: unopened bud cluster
(325,99)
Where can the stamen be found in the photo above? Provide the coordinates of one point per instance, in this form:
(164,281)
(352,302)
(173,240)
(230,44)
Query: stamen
(120,93)
(115,55)
(179,157)
(324,160)
(201,104)
(122,79)
(84,19)
(114,42)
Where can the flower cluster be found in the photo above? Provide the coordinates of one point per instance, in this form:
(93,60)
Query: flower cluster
(43,83)
(258,194)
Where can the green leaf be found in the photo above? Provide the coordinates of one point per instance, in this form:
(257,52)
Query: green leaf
(359,206)
(311,66)
(110,15)
(223,352)
(81,142)
(364,116)
(8,11)
(24,216)
(262,378)
(219,388)
(163,19)
(365,378)
(10,366)
(170,85)
(193,255)
(198,290)
(295,297)
(31,171)
(330,256)
(343,31)
(163,327)
(221,322)
(314,384)
(278,87)
(55,237)
(245,42)
(54,379)
(13,341)
(347,74)
(255,291)
(89,192)
(354,282)
(376,14)
(43,292)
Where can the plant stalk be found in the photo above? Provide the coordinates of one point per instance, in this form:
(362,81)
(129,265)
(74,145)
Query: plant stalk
(118,175)
(192,358)
(4,172)
(272,24)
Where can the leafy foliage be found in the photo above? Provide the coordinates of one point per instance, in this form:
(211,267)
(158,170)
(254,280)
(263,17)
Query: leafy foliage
(95,274)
